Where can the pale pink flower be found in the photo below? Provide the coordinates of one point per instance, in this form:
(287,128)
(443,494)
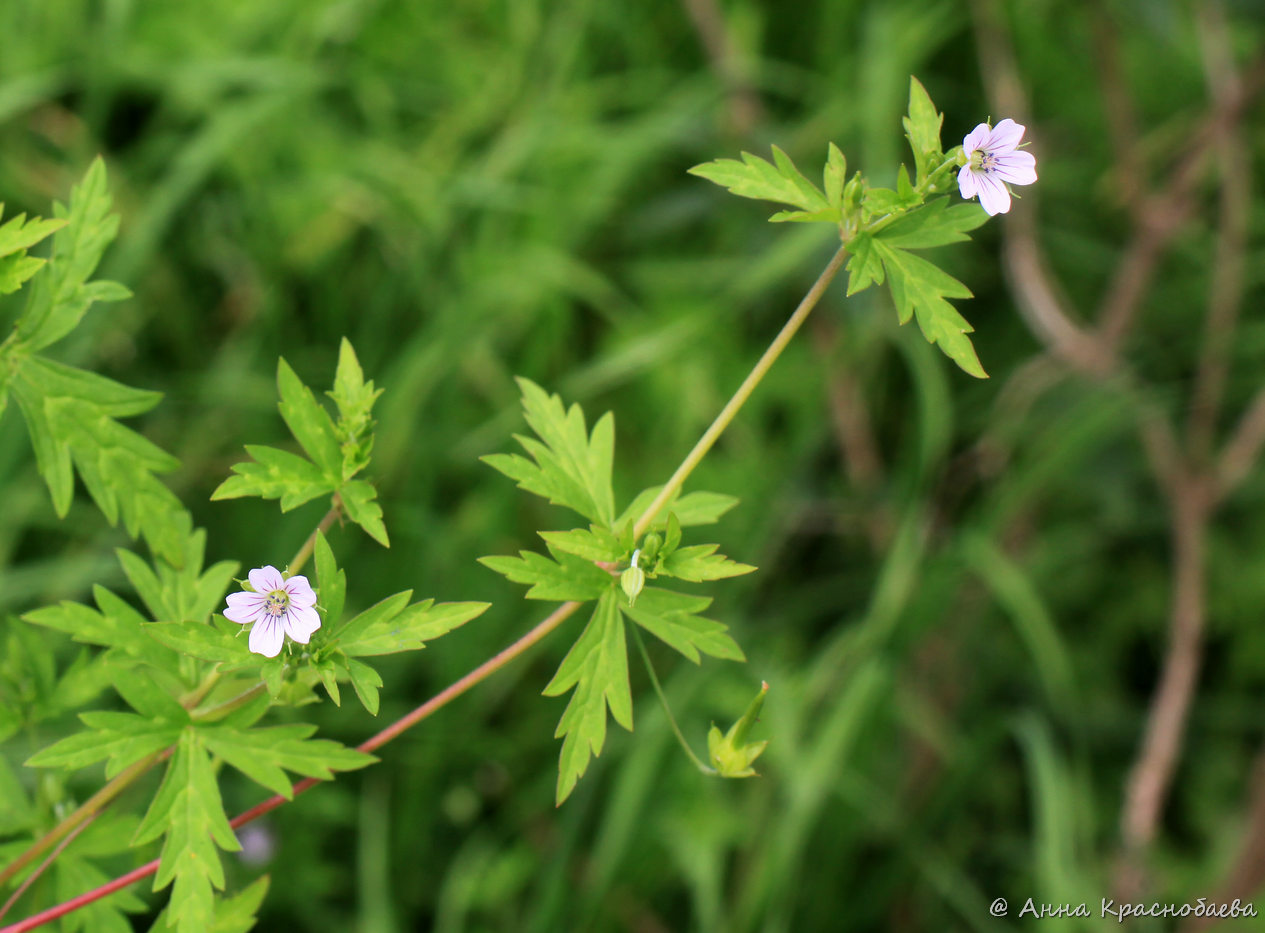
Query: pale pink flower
(278,607)
(993,159)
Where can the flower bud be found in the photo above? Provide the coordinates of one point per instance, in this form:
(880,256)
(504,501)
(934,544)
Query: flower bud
(731,754)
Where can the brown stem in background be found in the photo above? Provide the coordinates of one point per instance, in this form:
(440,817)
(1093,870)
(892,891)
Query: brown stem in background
(745,110)
(1192,485)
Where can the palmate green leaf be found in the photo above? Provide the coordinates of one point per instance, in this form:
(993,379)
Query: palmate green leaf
(336,451)
(695,508)
(593,543)
(74,872)
(61,294)
(70,415)
(565,577)
(265,754)
(409,630)
(674,619)
(188,811)
(778,181)
(123,738)
(275,474)
(174,594)
(572,468)
(114,624)
(596,668)
(701,562)
(217,641)
(233,914)
(919,288)
(935,224)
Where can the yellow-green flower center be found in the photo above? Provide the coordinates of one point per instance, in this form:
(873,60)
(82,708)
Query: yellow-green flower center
(983,161)
(276,603)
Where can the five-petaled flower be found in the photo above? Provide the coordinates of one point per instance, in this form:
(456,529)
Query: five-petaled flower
(993,159)
(278,607)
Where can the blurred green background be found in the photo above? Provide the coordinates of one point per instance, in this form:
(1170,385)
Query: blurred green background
(965,587)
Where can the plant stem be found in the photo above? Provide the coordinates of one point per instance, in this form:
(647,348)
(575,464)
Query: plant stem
(299,559)
(101,798)
(758,372)
(88,810)
(220,710)
(663,699)
(52,856)
(495,663)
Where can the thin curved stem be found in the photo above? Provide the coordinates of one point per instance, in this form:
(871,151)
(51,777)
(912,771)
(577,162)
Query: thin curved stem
(667,710)
(52,856)
(758,372)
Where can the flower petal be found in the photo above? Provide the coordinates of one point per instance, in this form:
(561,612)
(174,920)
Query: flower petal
(301,622)
(1005,136)
(994,195)
(300,591)
(975,139)
(266,579)
(1018,168)
(968,183)
(244,607)
(267,637)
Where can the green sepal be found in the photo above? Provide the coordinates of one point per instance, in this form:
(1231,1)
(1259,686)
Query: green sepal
(731,754)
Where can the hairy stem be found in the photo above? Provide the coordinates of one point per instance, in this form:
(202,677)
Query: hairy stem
(758,372)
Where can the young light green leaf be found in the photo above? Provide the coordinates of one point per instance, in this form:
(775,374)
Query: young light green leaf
(16,237)
(188,810)
(124,738)
(753,177)
(674,619)
(275,474)
(234,914)
(183,593)
(409,630)
(354,398)
(199,640)
(71,415)
(701,562)
(116,625)
(361,505)
(695,508)
(865,266)
(920,288)
(62,294)
(572,468)
(309,422)
(565,577)
(264,755)
(597,668)
(593,544)
(935,224)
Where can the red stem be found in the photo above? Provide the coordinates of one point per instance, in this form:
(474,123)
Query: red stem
(393,731)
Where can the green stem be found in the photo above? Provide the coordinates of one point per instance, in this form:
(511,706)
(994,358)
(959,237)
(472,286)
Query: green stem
(220,710)
(667,710)
(88,810)
(758,372)
(299,559)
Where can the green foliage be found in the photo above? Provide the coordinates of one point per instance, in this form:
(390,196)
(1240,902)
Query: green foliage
(596,668)
(730,753)
(336,450)
(188,814)
(18,235)
(573,468)
(782,182)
